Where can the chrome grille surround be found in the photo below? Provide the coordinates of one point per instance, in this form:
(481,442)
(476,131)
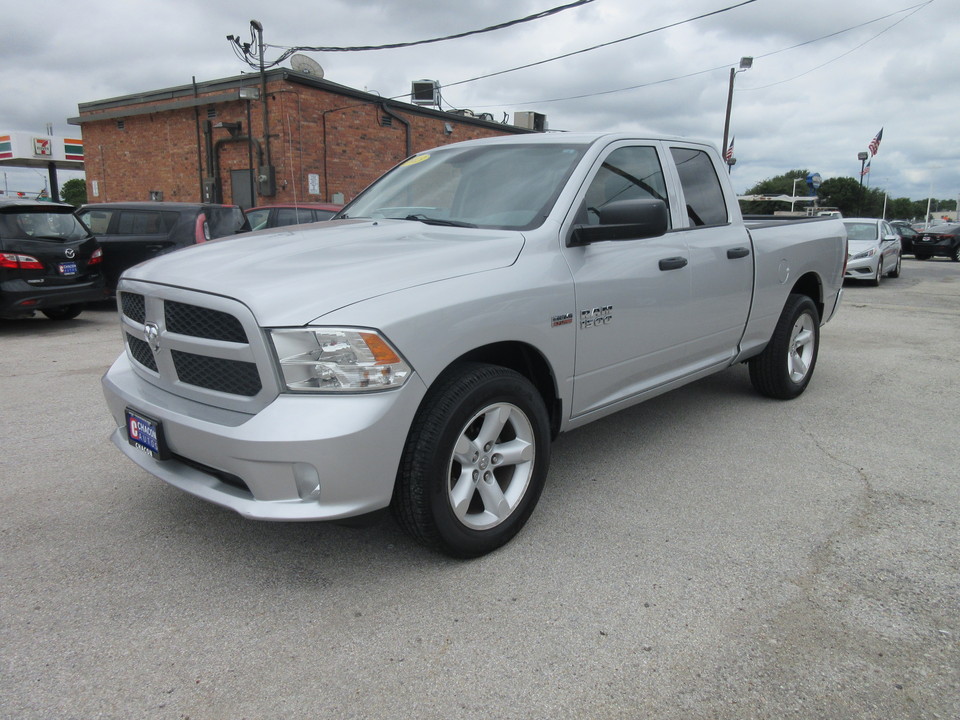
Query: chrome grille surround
(210,348)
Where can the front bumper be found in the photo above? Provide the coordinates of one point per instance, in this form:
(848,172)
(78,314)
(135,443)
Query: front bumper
(303,457)
(862,269)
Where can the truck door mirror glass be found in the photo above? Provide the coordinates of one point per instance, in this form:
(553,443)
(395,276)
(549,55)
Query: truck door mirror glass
(625,220)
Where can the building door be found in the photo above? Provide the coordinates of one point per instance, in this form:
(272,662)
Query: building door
(241,182)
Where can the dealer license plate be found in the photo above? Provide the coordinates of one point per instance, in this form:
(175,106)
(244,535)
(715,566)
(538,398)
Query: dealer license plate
(146,434)
(68,268)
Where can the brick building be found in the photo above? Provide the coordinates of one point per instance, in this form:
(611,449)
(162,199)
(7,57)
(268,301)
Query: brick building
(191,143)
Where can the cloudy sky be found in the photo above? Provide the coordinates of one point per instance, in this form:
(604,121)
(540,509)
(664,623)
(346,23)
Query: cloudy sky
(827,74)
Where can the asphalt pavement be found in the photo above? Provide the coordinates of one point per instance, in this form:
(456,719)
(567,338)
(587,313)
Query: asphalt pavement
(708,554)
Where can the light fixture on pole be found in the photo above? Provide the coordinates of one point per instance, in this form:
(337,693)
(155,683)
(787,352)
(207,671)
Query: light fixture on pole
(745,64)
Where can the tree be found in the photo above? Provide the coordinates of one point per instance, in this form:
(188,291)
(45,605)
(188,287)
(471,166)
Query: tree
(74,192)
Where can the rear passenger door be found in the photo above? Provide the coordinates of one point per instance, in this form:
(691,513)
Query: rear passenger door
(720,259)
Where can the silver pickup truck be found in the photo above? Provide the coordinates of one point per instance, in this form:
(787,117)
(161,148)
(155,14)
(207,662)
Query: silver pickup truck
(421,351)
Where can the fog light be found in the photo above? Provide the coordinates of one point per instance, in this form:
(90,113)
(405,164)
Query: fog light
(308,481)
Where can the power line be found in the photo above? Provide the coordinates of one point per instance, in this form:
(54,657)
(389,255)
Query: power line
(288,51)
(914,8)
(596,47)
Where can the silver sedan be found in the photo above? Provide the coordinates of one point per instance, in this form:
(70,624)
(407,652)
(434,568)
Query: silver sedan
(873,250)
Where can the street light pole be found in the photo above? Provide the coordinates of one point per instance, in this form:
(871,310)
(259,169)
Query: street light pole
(745,64)
(862,157)
(793,195)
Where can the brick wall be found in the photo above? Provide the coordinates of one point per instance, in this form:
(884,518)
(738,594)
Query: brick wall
(347,142)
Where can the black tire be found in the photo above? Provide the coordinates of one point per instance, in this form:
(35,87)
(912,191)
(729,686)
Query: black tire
(895,273)
(956,254)
(469,399)
(783,370)
(64,312)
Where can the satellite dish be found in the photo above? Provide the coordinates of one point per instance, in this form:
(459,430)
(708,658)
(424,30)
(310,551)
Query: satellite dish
(306,65)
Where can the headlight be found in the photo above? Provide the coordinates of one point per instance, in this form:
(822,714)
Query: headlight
(338,360)
(865,254)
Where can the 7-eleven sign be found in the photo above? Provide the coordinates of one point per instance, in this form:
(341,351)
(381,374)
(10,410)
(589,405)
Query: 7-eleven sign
(42,147)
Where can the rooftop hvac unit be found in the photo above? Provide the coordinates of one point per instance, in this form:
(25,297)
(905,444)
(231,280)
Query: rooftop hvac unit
(425,92)
(530,121)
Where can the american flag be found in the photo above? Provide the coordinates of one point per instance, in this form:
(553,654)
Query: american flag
(866,168)
(728,153)
(874,145)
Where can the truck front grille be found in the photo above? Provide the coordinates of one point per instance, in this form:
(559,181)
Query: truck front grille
(141,352)
(204,347)
(133,306)
(229,376)
(202,322)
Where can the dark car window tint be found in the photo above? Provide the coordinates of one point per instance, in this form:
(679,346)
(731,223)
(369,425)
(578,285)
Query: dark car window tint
(701,187)
(225,220)
(40,224)
(324,214)
(97,220)
(139,222)
(628,173)
(293,216)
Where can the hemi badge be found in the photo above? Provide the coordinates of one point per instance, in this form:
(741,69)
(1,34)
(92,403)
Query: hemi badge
(558,320)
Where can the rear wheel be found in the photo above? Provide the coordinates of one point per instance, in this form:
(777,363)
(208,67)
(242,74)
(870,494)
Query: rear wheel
(784,368)
(475,461)
(64,312)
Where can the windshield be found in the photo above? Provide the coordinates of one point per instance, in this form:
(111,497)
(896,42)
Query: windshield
(494,186)
(41,224)
(861,231)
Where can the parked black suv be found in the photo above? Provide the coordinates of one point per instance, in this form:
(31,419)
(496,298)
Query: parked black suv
(49,261)
(131,232)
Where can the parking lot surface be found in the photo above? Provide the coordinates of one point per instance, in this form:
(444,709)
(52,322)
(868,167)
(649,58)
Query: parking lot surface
(708,554)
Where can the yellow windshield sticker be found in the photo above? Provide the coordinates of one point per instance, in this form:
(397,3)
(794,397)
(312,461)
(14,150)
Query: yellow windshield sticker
(416,159)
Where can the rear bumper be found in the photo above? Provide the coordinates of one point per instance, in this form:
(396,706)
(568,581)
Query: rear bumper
(19,298)
(938,249)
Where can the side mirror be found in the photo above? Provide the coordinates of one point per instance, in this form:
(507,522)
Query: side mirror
(624,220)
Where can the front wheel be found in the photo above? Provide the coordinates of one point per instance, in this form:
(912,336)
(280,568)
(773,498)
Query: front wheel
(956,254)
(475,461)
(875,281)
(784,368)
(895,273)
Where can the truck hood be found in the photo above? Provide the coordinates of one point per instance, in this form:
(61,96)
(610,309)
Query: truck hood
(295,275)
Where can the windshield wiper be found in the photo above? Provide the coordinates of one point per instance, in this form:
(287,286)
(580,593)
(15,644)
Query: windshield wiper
(438,221)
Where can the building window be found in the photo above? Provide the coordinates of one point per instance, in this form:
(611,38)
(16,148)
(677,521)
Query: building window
(120,125)
(211,113)
(386,121)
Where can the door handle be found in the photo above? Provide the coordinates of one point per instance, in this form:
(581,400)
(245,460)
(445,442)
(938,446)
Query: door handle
(735,253)
(673,263)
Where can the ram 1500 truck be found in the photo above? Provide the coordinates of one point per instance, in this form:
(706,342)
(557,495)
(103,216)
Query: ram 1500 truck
(422,350)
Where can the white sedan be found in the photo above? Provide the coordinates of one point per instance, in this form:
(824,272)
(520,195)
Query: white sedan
(873,250)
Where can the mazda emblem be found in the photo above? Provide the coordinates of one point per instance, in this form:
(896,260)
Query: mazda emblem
(70,252)
(151,333)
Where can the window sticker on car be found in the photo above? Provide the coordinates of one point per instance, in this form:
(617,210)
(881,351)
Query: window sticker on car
(415,160)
